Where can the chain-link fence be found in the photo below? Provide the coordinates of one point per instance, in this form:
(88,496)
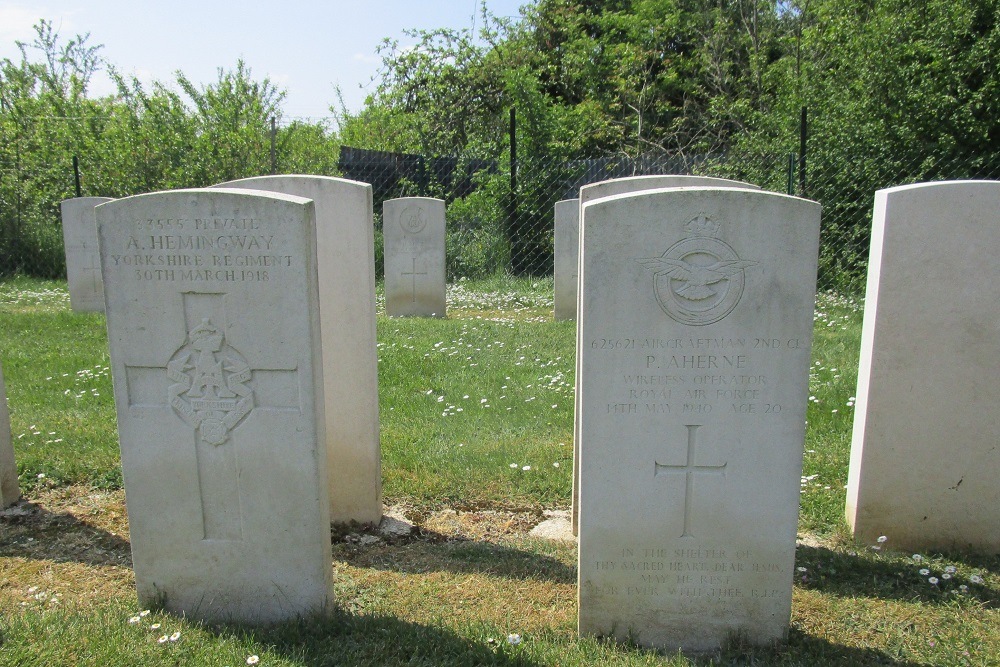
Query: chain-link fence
(501,219)
(500,212)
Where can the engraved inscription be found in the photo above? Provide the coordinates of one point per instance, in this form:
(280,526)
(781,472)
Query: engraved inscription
(700,279)
(689,469)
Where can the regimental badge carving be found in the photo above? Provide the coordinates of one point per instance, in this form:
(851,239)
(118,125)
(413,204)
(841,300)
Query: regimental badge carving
(211,391)
(700,279)
(413,219)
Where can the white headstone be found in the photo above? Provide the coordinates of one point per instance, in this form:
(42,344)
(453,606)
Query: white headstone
(346,252)
(9,490)
(609,188)
(214,332)
(413,229)
(696,313)
(83,260)
(566,249)
(924,458)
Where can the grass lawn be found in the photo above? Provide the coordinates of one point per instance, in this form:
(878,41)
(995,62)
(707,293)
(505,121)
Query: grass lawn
(476,419)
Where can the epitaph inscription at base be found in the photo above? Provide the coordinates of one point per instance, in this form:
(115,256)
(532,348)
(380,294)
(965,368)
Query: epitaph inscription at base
(696,321)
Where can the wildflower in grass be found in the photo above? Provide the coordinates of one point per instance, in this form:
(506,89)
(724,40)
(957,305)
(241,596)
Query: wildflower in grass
(162,640)
(976,579)
(951,569)
(253,660)
(134,620)
(925,572)
(556,464)
(154,626)
(882,539)
(802,569)
(513,639)
(933,581)
(174,637)
(526,468)
(917,558)
(963,588)
(144,613)
(946,576)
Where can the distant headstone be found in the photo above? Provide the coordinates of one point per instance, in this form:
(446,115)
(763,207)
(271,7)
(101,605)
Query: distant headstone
(413,229)
(346,254)
(567,256)
(214,332)
(9,490)
(696,313)
(83,259)
(924,457)
(610,188)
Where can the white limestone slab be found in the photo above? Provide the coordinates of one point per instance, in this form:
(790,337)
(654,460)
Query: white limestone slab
(9,489)
(214,333)
(610,188)
(346,262)
(924,458)
(413,229)
(566,251)
(696,314)
(83,260)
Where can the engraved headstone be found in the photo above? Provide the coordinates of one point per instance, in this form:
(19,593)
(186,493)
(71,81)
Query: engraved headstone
(9,490)
(413,229)
(696,313)
(924,457)
(346,263)
(214,333)
(83,259)
(609,188)
(566,249)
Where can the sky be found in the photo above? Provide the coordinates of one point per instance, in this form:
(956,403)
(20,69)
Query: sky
(306,48)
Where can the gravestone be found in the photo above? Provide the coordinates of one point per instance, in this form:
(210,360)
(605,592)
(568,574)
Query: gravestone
(9,490)
(924,458)
(609,188)
(567,256)
(83,259)
(413,229)
(214,333)
(346,262)
(696,313)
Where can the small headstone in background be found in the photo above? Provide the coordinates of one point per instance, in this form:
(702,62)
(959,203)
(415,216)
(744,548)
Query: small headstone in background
(566,253)
(9,490)
(346,264)
(214,332)
(696,313)
(610,188)
(924,457)
(83,259)
(413,229)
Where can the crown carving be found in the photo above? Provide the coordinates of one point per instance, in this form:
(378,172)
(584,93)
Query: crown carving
(702,225)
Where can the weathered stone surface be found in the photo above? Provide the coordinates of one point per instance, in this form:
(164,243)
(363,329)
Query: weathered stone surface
(566,251)
(413,229)
(9,489)
(83,259)
(214,332)
(346,264)
(696,315)
(924,458)
(609,188)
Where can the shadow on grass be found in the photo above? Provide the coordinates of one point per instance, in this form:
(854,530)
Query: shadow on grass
(429,554)
(892,577)
(344,639)
(28,530)
(804,649)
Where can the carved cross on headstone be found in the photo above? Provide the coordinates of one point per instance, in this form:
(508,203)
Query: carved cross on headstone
(689,469)
(413,278)
(208,384)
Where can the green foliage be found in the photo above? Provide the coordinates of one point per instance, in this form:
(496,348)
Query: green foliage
(141,139)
